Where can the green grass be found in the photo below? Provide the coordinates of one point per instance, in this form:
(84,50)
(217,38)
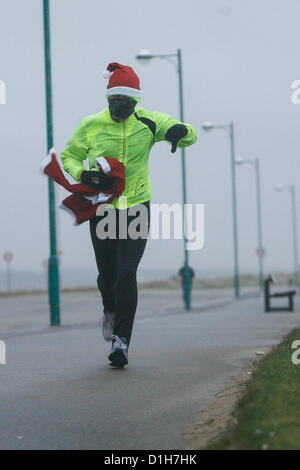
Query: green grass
(268,415)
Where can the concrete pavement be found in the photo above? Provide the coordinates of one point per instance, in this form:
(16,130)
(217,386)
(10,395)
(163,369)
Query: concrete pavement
(57,391)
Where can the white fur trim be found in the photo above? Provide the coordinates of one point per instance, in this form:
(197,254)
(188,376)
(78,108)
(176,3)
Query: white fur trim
(123,90)
(65,208)
(47,160)
(98,198)
(101,162)
(106,74)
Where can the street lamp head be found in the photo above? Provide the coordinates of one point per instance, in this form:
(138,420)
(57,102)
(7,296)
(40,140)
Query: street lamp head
(207,126)
(282,187)
(144,57)
(241,161)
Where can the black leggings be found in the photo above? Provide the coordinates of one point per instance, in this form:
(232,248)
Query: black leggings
(117,261)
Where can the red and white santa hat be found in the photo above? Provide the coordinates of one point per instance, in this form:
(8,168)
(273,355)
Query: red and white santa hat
(122,80)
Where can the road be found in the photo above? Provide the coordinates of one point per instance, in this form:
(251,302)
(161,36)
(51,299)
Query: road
(57,391)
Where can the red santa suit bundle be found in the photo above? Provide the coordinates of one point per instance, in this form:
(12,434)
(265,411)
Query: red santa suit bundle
(82,204)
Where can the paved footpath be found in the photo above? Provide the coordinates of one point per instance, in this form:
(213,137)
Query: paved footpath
(57,391)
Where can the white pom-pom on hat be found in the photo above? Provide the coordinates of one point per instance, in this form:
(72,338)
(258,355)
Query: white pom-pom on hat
(106,74)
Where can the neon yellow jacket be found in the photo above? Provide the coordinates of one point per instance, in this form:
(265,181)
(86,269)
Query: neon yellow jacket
(129,141)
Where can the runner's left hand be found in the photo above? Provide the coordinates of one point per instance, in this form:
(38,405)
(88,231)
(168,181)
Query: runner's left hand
(174,134)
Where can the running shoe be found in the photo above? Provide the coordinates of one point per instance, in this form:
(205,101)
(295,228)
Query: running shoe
(119,352)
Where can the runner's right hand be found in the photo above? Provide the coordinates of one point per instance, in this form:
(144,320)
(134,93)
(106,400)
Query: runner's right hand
(96,179)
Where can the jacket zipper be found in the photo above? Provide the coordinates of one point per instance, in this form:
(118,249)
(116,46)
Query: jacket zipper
(124,143)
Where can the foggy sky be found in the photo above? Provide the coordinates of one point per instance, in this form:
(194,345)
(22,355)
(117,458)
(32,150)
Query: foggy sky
(239,60)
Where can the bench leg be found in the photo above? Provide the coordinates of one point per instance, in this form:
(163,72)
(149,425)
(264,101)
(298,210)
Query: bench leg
(291,303)
(267,297)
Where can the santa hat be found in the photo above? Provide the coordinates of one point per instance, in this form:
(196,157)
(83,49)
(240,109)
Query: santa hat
(122,81)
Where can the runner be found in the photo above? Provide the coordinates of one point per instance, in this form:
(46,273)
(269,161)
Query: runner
(126,132)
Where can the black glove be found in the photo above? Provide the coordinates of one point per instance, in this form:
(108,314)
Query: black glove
(96,179)
(174,134)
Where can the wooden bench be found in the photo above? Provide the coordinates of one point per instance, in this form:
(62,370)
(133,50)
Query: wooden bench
(288,293)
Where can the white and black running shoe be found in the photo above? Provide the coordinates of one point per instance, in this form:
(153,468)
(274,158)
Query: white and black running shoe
(119,352)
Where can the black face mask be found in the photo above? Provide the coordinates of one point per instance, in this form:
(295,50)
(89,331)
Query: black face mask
(121,108)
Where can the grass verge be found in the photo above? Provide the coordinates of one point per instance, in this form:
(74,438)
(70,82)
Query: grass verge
(268,414)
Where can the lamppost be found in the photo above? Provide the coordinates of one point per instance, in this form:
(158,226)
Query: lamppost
(207,127)
(291,188)
(260,250)
(53,282)
(145,57)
